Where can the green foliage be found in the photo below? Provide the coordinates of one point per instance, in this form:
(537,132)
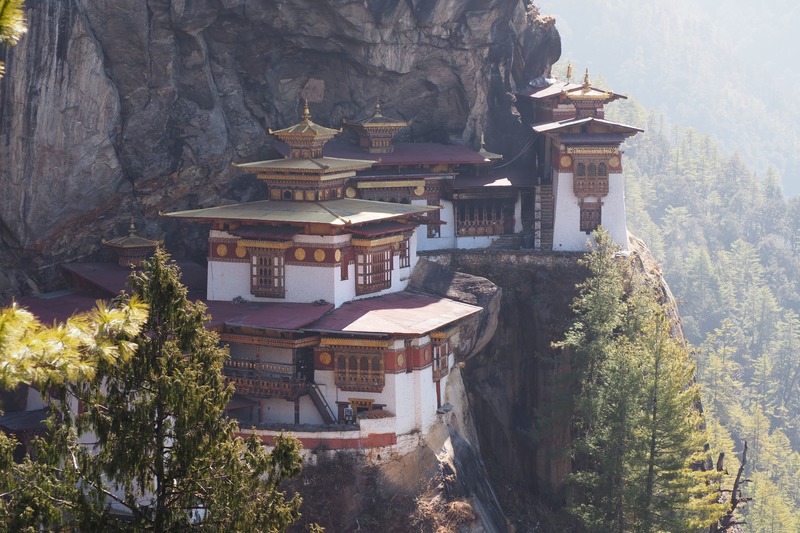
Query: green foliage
(730,246)
(12,24)
(31,352)
(637,397)
(146,444)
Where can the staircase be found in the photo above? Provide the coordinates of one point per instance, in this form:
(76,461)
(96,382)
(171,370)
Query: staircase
(320,403)
(508,241)
(544,202)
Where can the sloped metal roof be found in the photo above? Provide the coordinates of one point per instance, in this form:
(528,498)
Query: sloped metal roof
(343,212)
(400,313)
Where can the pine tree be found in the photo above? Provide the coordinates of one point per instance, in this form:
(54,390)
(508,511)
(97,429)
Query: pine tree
(163,455)
(12,24)
(637,430)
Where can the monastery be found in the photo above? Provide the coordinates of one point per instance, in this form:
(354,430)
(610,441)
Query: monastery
(309,287)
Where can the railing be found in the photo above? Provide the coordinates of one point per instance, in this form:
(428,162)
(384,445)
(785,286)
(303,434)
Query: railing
(265,379)
(360,380)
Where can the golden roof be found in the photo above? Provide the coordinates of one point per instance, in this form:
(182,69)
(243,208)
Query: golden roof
(586,91)
(305,130)
(377,120)
(131,240)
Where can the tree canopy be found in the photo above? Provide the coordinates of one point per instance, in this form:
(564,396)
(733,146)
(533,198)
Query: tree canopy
(145,444)
(637,429)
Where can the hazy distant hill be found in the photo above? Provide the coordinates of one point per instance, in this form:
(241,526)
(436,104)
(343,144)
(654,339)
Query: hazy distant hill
(727,68)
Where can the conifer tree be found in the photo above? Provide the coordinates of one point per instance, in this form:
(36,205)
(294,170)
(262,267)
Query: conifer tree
(637,430)
(12,24)
(158,452)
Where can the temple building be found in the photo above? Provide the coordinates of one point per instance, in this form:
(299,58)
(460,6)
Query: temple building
(309,286)
(580,180)
(325,331)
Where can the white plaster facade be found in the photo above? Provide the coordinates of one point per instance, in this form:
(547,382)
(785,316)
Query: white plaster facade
(567,235)
(304,284)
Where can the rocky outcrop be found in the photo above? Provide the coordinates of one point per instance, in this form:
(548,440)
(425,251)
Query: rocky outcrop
(119,108)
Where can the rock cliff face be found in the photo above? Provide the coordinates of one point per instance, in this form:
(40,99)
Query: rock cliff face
(113,109)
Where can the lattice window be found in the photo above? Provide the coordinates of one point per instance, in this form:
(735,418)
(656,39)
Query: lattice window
(404,253)
(373,269)
(590,216)
(441,357)
(360,372)
(268,274)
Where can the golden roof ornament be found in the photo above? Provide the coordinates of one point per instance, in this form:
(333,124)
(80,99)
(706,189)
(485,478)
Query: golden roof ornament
(586,82)
(569,71)
(132,249)
(305,139)
(375,132)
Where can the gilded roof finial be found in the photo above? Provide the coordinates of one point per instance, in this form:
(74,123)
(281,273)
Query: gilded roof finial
(586,82)
(306,113)
(569,71)
(132,228)
(378,109)
(483,141)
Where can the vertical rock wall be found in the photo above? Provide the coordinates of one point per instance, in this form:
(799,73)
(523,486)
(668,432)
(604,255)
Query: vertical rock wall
(119,108)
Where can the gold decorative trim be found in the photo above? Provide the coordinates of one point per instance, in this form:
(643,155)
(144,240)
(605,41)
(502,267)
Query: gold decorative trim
(390,184)
(370,243)
(270,245)
(319,255)
(300,254)
(446,334)
(597,150)
(362,343)
(240,338)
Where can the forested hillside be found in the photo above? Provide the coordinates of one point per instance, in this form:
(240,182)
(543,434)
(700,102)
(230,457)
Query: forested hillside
(729,242)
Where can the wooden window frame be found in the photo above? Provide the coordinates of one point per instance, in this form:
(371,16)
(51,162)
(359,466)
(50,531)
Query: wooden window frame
(268,274)
(359,371)
(440,357)
(404,253)
(374,269)
(591,216)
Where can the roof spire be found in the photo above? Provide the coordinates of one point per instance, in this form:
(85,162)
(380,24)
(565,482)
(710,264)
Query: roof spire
(132,228)
(378,108)
(586,81)
(569,71)
(306,113)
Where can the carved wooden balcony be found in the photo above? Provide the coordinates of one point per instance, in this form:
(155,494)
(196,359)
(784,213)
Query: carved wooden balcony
(265,379)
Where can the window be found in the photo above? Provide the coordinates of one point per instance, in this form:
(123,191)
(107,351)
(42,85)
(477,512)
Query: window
(360,372)
(373,269)
(580,169)
(441,358)
(434,229)
(268,274)
(590,216)
(404,253)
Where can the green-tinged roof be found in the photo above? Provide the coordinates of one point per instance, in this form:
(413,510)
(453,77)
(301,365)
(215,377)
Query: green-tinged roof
(335,212)
(131,240)
(305,129)
(316,166)
(378,120)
